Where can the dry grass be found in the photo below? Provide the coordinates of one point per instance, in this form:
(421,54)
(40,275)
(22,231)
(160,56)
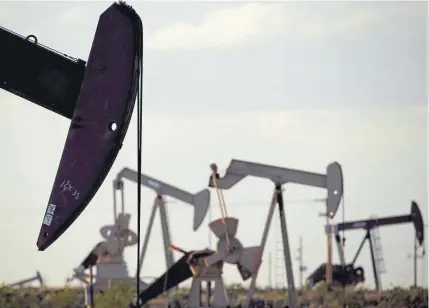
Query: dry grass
(120,295)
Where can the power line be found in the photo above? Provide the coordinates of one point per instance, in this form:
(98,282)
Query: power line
(244,203)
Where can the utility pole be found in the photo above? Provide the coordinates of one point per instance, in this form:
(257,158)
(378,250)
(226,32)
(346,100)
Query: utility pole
(417,256)
(328,231)
(415,260)
(302,267)
(208,229)
(329,245)
(270,284)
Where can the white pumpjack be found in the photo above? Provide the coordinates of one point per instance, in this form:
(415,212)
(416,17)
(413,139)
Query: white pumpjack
(209,270)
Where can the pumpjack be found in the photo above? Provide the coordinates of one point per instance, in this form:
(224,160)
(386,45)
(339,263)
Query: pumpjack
(107,257)
(206,267)
(52,80)
(347,274)
(38,277)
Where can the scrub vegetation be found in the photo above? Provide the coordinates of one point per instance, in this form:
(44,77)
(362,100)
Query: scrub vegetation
(119,296)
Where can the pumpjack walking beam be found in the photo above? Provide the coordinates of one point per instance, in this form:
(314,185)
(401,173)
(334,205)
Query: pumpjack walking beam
(332,181)
(37,277)
(414,217)
(200,201)
(39,74)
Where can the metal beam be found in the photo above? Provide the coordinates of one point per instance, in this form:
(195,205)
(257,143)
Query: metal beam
(415,217)
(332,180)
(200,201)
(367,224)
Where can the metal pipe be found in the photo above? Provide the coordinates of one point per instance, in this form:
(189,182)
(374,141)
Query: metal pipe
(374,266)
(293,300)
(263,242)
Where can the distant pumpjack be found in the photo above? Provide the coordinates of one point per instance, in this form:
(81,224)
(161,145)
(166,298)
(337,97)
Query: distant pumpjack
(347,274)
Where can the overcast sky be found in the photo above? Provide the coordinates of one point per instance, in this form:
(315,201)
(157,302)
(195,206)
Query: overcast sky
(296,84)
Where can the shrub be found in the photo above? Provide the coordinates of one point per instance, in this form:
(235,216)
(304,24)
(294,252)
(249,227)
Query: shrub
(119,296)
